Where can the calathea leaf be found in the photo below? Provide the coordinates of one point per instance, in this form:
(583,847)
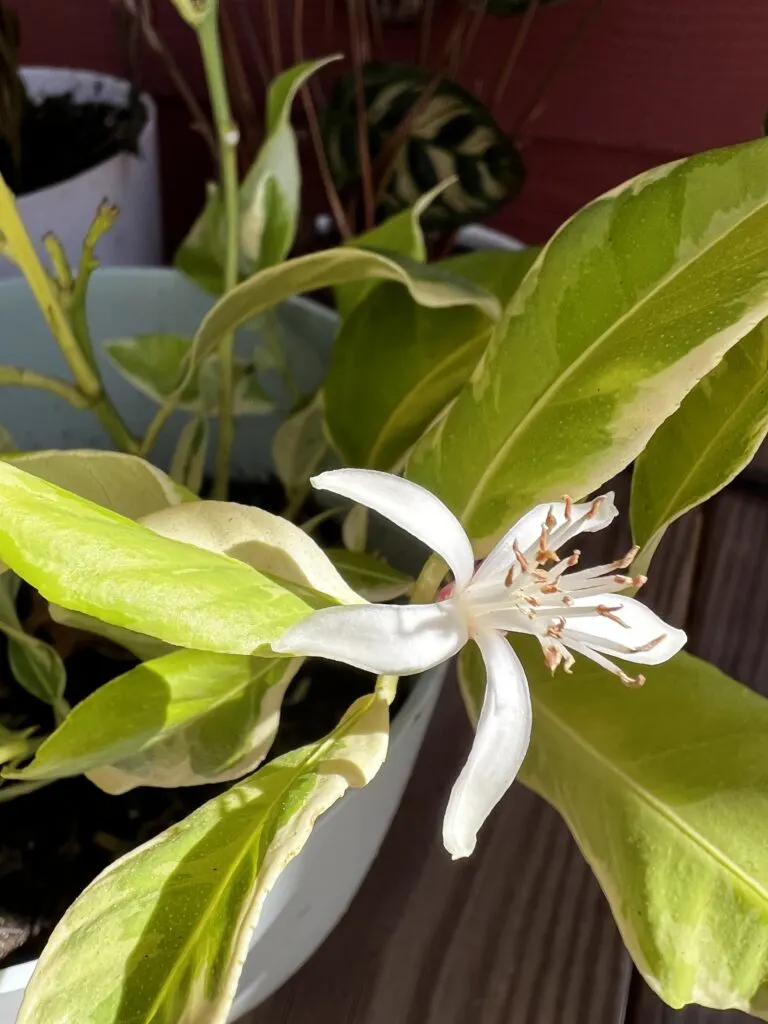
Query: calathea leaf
(181,720)
(450,135)
(161,935)
(664,789)
(613,325)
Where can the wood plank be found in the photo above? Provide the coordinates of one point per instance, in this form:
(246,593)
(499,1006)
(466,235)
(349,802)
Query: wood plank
(519,934)
(727,625)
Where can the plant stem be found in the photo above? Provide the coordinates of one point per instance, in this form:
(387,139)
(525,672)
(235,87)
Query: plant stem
(228,137)
(428,583)
(514,53)
(15,376)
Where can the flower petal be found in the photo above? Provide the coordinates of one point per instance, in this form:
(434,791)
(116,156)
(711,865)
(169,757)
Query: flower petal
(643,629)
(501,741)
(409,506)
(527,531)
(380,638)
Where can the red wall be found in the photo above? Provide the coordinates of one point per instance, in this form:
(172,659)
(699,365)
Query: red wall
(651,80)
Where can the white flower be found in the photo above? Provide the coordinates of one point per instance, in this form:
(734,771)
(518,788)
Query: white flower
(521,587)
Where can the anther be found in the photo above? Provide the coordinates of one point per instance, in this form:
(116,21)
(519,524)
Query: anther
(568,507)
(594,507)
(608,613)
(627,560)
(525,565)
(650,645)
(509,578)
(550,522)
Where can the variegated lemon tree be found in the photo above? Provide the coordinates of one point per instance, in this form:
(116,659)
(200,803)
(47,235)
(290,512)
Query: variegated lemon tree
(635,336)
(462,403)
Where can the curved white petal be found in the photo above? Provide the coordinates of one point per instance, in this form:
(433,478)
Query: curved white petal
(643,629)
(527,531)
(501,741)
(409,506)
(380,638)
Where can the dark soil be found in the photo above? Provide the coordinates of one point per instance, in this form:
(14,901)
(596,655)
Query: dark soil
(54,841)
(60,138)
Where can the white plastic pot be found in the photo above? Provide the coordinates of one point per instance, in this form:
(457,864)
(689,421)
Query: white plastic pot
(316,889)
(131,181)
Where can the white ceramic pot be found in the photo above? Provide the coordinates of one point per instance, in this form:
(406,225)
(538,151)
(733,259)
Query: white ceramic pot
(315,890)
(131,181)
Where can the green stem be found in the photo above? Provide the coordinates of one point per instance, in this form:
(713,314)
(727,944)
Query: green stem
(228,137)
(15,376)
(16,244)
(428,583)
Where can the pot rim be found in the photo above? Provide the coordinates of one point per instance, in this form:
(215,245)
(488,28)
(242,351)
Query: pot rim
(169,273)
(85,75)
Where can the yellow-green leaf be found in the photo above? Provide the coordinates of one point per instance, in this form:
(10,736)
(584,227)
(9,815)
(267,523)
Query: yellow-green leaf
(632,302)
(162,934)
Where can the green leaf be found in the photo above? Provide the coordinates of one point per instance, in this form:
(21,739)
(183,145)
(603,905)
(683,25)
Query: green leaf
(664,789)
(16,744)
(162,934)
(270,196)
(277,548)
(35,665)
(154,364)
(394,367)
(201,255)
(399,234)
(299,446)
(369,575)
(632,302)
(703,445)
(93,561)
(140,645)
(188,461)
(428,286)
(499,271)
(124,484)
(182,720)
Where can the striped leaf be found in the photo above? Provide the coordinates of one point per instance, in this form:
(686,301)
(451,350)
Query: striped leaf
(633,301)
(161,935)
(450,135)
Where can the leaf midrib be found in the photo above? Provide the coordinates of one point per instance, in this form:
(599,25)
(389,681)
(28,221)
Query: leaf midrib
(647,797)
(668,515)
(421,385)
(555,386)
